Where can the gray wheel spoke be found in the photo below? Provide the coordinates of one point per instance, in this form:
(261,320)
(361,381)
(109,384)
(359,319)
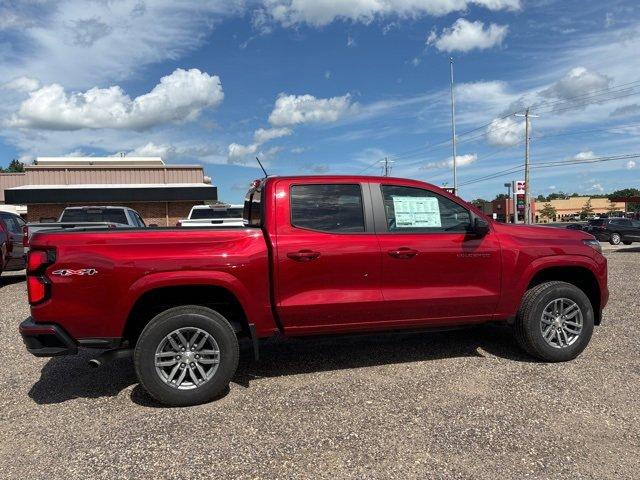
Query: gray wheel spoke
(183,373)
(183,341)
(193,376)
(208,352)
(173,373)
(166,363)
(201,370)
(173,343)
(192,342)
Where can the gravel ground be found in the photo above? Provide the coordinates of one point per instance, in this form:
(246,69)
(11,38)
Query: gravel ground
(463,404)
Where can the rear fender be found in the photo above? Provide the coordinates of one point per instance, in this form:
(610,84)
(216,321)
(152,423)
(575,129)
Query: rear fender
(256,314)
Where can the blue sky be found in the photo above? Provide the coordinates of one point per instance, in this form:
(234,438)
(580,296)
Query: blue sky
(328,86)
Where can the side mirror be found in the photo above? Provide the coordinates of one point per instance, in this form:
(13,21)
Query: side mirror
(480,227)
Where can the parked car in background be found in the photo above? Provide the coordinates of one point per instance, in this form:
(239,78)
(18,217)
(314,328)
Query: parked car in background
(575,226)
(615,230)
(87,217)
(11,242)
(214,216)
(317,255)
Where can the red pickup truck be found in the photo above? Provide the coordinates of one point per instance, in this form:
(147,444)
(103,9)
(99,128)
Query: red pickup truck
(317,255)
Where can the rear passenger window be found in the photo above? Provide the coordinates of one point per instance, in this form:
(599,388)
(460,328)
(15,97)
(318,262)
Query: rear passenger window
(327,208)
(411,209)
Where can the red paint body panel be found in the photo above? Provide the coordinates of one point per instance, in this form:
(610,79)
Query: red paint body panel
(353,284)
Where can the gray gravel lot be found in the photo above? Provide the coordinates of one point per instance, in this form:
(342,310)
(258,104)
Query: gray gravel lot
(464,404)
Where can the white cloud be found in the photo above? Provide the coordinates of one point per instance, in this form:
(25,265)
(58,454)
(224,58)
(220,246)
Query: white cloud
(631,164)
(505,132)
(596,187)
(178,97)
(461,161)
(166,151)
(22,84)
(464,36)
(237,151)
(483,92)
(79,43)
(322,12)
(263,135)
(579,81)
(300,109)
(584,155)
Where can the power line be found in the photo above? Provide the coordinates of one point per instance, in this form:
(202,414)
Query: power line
(551,164)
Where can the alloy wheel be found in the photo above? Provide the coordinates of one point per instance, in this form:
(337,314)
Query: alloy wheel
(187,358)
(561,323)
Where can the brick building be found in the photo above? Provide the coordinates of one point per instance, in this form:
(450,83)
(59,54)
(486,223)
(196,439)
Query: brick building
(162,194)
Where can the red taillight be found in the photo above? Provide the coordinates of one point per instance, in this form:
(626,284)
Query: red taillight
(37,288)
(36,259)
(25,236)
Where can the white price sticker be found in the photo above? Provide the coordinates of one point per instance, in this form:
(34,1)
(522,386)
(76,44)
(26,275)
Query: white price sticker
(417,212)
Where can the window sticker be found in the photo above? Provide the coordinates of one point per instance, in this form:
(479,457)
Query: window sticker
(417,212)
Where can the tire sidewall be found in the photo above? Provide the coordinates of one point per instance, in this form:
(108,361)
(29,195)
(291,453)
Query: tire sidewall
(163,324)
(539,344)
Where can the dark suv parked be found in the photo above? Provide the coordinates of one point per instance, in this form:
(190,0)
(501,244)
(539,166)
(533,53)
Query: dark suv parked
(11,246)
(615,230)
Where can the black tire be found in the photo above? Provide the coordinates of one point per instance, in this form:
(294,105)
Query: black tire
(627,243)
(615,238)
(527,327)
(181,317)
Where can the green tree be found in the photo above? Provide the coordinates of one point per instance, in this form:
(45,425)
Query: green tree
(612,209)
(628,192)
(587,210)
(548,211)
(501,196)
(479,202)
(16,166)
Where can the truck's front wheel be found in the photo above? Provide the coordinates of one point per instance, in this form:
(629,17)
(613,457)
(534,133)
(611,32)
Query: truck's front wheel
(555,321)
(186,355)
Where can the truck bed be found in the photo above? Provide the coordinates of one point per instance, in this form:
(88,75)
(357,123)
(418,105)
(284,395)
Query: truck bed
(113,268)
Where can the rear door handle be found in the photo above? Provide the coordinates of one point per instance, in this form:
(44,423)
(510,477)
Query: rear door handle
(303,255)
(403,252)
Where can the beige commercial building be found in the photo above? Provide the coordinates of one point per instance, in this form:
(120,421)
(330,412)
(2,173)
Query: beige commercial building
(567,209)
(161,193)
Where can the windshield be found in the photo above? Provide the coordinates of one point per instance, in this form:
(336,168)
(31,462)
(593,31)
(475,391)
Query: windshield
(206,213)
(77,215)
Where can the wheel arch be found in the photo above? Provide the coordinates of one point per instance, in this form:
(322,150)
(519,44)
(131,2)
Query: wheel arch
(157,300)
(580,276)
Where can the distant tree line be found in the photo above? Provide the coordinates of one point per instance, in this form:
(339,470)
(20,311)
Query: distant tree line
(16,166)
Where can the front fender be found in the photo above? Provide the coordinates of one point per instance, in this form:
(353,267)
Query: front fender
(514,291)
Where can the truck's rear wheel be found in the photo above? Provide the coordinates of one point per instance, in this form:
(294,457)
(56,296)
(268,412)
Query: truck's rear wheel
(186,355)
(555,321)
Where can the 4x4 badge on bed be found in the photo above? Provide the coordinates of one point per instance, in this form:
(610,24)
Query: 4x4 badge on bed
(65,272)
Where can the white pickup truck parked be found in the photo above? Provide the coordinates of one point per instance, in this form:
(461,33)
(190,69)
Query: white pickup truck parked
(214,216)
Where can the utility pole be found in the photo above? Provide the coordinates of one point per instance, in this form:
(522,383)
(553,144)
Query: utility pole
(527,177)
(387,166)
(508,185)
(453,132)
